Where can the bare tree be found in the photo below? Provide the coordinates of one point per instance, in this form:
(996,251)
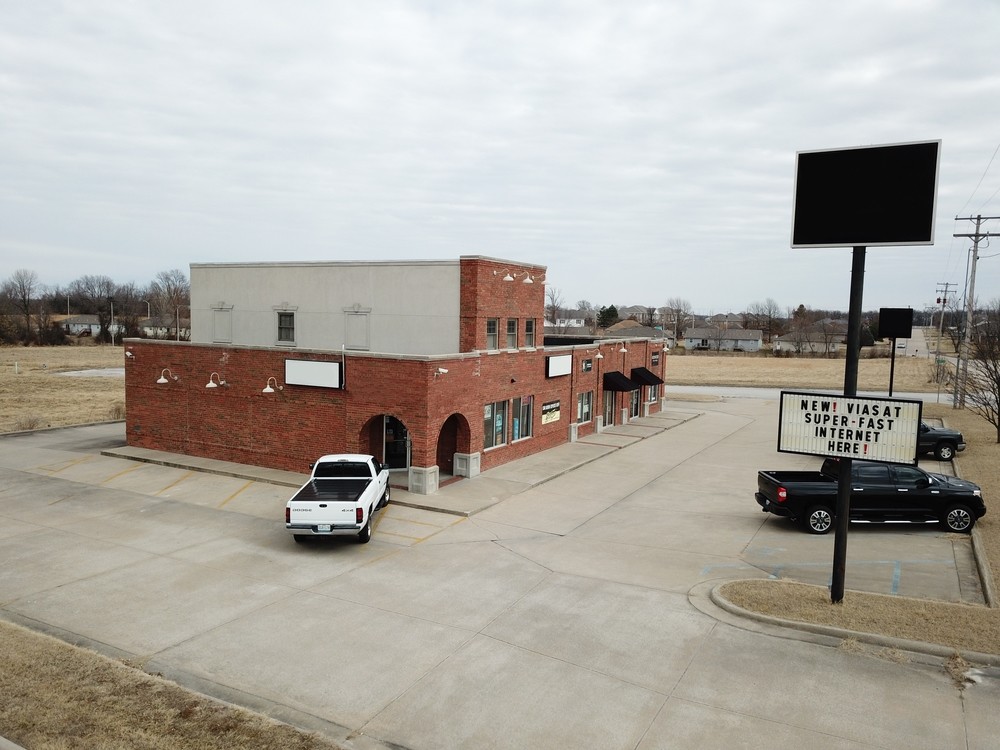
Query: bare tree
(981,387)
(677,312)
(130,308)
(553,304)
(679,306)
(95,295)
(21,290)
(169,292)
(764,316)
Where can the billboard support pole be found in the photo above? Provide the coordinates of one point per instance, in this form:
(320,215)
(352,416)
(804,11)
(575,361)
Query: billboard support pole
(892,365)
(843,512)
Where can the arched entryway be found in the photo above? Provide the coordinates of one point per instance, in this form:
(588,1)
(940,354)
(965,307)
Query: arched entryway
(452,453)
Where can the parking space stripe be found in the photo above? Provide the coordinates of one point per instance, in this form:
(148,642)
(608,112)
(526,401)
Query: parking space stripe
(175,482)
(66,465)
(123,472)
(231,497)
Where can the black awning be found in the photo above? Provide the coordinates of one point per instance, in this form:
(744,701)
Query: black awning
(644,376)
(615,381)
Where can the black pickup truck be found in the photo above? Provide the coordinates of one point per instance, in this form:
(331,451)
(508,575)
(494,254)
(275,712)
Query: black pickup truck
(879,492)
(943,442)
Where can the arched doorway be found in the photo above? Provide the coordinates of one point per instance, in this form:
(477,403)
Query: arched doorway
(453,439)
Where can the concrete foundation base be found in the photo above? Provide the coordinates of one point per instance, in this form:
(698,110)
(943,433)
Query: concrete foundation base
(423,480)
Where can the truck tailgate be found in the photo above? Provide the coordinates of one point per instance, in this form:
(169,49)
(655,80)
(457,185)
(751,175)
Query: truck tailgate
(329,502)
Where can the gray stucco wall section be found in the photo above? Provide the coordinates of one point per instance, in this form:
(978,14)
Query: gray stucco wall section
(400,307)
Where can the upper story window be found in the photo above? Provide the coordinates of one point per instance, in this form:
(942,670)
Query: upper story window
(512,333)
(529,333)
(284,319)
(493,333)
(286,328)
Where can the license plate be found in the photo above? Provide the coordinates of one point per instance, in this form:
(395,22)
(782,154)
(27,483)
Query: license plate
(323,527)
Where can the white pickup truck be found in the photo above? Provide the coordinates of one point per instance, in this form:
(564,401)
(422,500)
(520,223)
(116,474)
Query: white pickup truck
(339,499)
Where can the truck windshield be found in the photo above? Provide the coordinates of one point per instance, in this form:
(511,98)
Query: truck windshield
(342,470)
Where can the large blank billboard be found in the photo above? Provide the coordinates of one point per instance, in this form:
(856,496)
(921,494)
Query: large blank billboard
(861,197)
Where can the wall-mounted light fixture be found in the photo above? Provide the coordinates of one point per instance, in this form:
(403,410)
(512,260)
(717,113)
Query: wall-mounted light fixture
(508,276)
(596,356)
(269,388)
(623,350)
(166,376)
(214,381)
(529,279)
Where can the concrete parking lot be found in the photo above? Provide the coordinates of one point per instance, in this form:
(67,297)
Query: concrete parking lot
(569,608)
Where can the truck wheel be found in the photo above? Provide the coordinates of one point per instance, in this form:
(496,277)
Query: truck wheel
(819,519)
(385,498)
(944,452)
(300,538)
(958,518)
(365,535)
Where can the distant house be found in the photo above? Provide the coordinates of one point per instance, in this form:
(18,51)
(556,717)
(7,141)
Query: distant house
(566,319)
(82,325)
(728,320)
(808,342)
(723,339)
(165,327)
(634,312)
(632,328)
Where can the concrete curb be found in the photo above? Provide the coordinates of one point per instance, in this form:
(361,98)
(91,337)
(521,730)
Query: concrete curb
(982,559)
(902,644)
(984,569)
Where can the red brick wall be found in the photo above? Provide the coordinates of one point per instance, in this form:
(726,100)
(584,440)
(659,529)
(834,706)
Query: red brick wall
(290,428)
(485,295)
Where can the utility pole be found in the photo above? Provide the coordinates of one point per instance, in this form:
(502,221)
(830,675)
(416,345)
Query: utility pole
(943,301)
(970,303)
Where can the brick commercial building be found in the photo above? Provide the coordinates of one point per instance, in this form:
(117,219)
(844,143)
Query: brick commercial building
(435,367)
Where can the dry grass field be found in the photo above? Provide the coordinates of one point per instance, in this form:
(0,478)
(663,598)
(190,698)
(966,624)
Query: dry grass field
(911,375)
(35,392)
(56,696)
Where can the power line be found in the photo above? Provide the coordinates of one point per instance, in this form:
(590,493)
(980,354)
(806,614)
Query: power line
(985,171)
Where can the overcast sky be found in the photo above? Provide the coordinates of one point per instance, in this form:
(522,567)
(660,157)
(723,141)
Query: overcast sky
(640,150)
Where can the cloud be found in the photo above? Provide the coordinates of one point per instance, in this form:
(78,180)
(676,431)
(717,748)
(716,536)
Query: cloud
(642,150)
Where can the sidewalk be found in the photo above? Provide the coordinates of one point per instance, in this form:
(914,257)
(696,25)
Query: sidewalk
(464,497)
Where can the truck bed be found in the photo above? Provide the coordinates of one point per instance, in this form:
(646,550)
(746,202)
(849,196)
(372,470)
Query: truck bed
(791,477)
(331,490)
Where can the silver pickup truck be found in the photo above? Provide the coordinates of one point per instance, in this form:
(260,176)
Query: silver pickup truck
(339,499)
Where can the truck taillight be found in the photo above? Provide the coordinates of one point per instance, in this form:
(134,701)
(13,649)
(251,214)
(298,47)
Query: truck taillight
(782,494)
(359,515)
(288,514)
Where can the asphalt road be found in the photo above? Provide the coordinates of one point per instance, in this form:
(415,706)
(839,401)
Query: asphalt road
(571,609)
